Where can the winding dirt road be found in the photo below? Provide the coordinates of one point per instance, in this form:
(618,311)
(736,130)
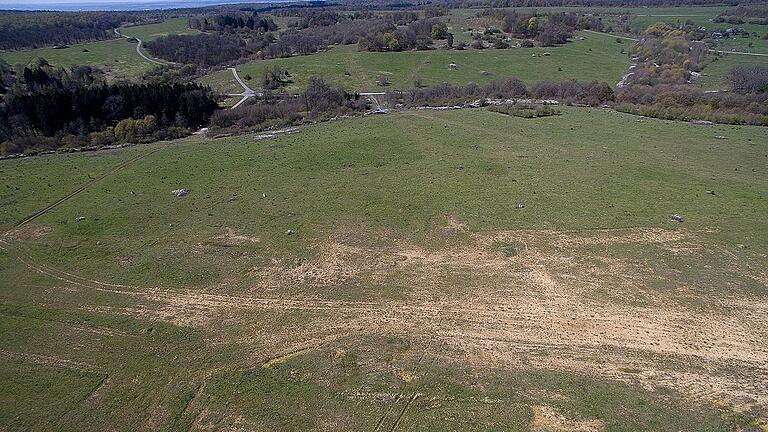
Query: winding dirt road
(138,49)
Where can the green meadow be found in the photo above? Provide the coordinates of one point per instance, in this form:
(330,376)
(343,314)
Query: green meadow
(367,274)
(597,57)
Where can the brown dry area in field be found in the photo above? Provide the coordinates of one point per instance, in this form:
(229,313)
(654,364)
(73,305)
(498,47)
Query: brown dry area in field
(569,302)
(29,232)
(546,419)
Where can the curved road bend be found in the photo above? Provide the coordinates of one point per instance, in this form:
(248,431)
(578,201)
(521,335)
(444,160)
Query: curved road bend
(138,48)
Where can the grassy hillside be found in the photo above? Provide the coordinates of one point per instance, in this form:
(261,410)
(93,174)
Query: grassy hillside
(116,57)
(150,32)
(598,57)
(715,70)
(412,291)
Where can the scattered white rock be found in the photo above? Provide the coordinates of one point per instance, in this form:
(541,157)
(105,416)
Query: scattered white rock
(180,192)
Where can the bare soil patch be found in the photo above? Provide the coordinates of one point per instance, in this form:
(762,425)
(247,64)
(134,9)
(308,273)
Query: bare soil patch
(538,308)
(29,232)
(547,419)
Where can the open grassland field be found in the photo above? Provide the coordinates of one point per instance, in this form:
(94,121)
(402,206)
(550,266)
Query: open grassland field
(148,32)
(412,294)
(716,69)
(117,57)
(598,57)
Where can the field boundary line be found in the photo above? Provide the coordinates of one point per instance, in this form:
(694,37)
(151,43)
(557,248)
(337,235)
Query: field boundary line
(81,188)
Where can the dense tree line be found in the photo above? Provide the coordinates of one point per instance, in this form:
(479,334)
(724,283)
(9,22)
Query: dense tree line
(233,21)
(20,30)
(29,30)
(202,50)
(747,79)
(752,14)
(207,50)
(546,29)
(686,102)
(464,4)
(6,76)
(50,108)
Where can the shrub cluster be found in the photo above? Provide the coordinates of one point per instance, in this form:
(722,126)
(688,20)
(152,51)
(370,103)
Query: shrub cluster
(319,100)
(666,55)
(591,93)
(525,110)
(684,102)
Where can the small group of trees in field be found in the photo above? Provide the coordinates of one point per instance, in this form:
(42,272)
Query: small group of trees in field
(319,100)
(542,29)
(418,34)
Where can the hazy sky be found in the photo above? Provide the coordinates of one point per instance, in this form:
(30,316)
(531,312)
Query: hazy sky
(113,4)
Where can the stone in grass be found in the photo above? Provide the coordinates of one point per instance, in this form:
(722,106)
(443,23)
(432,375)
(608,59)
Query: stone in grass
(180,192)
(677,218)
(80,218)
(289,232)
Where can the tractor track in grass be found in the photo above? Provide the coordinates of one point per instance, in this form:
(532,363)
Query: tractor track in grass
(82,188)
(549,323)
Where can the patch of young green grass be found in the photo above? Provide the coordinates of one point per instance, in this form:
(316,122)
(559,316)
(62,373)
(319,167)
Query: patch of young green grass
(117,57)
(597,57)
(621,171)
(149,32)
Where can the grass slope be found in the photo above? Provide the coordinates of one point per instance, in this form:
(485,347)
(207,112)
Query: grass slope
(116,57)
(91,356)
(623,172)
(598,57)
(149,32)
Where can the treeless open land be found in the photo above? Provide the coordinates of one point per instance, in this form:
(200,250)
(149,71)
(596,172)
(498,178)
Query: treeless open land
(420,270)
